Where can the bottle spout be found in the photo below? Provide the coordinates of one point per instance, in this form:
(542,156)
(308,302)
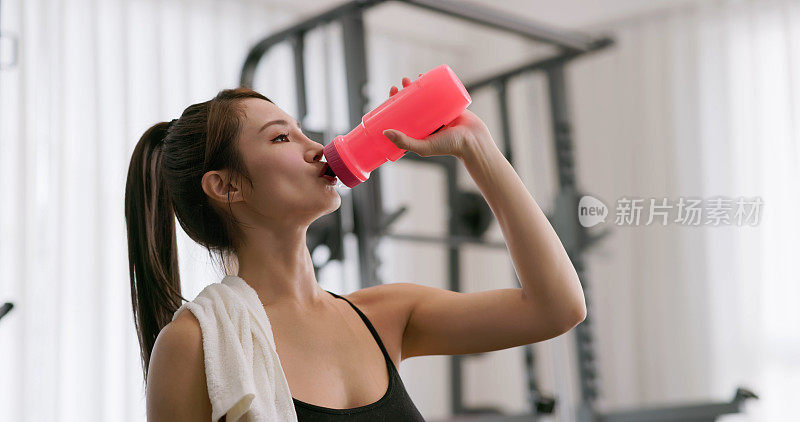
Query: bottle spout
(339,164)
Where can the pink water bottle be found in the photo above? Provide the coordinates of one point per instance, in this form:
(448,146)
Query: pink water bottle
(431,101)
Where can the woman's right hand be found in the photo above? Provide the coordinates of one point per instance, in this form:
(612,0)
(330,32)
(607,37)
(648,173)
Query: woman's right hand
(463,134)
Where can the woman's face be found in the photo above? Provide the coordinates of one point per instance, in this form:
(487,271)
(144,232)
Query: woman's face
(284,166)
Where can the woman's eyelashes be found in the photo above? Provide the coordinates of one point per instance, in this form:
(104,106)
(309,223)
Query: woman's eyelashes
(283,135)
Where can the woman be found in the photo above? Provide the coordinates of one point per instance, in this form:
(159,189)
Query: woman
(243,181)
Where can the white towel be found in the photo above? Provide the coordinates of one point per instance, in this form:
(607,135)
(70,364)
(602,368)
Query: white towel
(244,375)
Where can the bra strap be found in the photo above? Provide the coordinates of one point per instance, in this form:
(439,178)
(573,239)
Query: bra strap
(369,325)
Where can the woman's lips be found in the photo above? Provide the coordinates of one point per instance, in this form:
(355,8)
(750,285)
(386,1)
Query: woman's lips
(328,170)
(325,169)
(327,174)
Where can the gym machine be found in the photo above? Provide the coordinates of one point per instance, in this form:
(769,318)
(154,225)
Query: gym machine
(470,215)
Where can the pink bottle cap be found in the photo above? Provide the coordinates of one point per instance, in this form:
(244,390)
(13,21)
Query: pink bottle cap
(338,165)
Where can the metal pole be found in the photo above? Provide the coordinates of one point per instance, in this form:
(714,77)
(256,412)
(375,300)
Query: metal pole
(572,234)
(541,64)
(571,42)
(367,203)
(508,22)
(298,49)
(259,49)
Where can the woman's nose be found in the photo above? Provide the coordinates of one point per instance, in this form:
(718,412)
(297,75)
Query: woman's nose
(316,152)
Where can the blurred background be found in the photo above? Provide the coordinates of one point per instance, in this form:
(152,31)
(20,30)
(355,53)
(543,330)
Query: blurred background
(615,99)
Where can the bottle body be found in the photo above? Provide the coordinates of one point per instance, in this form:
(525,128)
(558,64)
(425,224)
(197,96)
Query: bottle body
(431,101)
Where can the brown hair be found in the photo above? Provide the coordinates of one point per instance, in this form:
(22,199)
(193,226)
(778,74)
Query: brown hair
(164,182)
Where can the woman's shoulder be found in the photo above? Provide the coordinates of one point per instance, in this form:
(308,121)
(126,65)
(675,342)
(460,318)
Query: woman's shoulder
(390,300)
(176,381)
(181,337)
(184,326)
(388,307)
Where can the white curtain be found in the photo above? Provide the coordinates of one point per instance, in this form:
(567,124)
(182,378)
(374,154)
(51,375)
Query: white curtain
(702,101)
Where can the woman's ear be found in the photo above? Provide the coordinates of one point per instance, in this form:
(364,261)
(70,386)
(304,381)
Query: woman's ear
(220,188)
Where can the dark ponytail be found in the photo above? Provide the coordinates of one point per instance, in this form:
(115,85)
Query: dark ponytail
(152,245)
(164,182)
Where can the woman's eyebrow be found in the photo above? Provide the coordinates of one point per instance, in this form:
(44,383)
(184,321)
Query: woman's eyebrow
(279,121)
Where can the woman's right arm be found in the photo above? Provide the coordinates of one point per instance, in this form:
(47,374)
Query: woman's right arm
(176,381)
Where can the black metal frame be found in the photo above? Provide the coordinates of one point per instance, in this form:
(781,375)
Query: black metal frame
(371,222)
(6,308)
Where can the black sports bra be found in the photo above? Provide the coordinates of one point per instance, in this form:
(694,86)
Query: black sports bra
(395,405)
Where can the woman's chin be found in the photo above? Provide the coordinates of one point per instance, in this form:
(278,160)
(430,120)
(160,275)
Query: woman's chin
(332,205)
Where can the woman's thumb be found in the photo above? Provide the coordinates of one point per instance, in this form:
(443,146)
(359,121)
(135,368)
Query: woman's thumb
(403,141)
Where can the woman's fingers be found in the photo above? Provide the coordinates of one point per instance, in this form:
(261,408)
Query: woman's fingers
(406,81)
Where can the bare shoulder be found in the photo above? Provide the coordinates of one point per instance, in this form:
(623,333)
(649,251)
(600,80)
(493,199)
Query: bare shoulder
(394,301)
(389,295)
(176,381)
(388,307)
